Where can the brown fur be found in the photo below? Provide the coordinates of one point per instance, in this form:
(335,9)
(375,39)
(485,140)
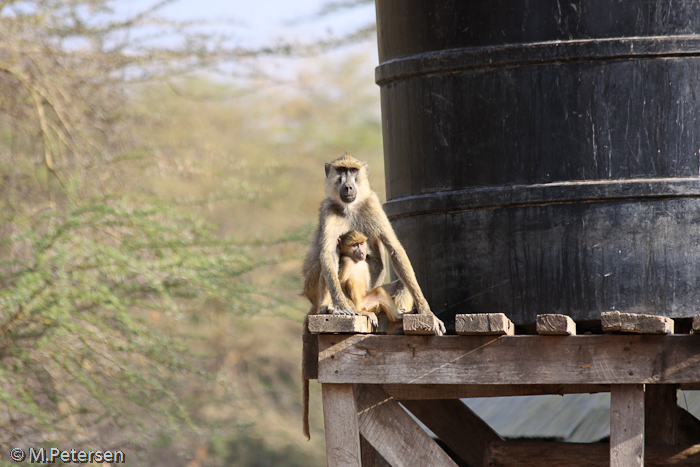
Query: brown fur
(355,278)
(365,214)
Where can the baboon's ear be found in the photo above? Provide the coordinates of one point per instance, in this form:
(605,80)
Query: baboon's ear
(328,168)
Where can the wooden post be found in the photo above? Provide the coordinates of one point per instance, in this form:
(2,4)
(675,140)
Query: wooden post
(660,413)
(340,421)
(627,425)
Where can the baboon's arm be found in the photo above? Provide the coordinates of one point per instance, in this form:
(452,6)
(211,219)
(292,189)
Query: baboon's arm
(332,228)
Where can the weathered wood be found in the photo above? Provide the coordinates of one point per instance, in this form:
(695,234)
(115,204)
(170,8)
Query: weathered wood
(556,325)
(696,324)
(309,356)
(330,324)
(687,427)
(660,413)
(369,454)
(418,325)
(393,433)
(633,322)
(340,421)
(627,425)
(548,454)
(587,359)
(456,426)
(484,324)
(458,391)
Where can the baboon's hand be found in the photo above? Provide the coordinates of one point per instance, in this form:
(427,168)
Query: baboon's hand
(343,311)
(439,326)
(424,309)
(374,321)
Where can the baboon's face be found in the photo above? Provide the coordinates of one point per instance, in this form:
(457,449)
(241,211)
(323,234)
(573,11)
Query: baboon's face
(359,251)
(347,180)
(347,186)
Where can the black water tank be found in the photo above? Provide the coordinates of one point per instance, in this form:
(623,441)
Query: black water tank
(544,157)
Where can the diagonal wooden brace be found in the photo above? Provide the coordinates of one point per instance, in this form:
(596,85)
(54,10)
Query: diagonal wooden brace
(393,433)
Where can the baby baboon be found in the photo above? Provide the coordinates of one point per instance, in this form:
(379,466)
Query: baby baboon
(355,279)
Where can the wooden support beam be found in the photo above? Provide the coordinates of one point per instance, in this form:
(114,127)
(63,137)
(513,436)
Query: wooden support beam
(587,359)
(627,425)
(370,456)
(455,425)
(419,325)
(309,356)
(556,325)
(340,421)
(458,391)
(550,454)
(393,433)
(496,324)
(660,413)
(634,322)
(687,427)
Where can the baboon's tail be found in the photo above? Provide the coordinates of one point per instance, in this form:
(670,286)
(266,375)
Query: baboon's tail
(305,406)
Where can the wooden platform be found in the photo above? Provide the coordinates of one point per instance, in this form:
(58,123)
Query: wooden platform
(367,378)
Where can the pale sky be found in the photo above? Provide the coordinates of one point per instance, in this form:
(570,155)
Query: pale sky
(266,20)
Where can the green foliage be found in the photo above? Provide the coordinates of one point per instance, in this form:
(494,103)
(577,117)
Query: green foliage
(151,237)
(93,305)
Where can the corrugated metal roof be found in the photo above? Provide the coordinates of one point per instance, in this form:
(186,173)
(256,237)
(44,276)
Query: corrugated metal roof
(553,417)
(690,401)
(574,418)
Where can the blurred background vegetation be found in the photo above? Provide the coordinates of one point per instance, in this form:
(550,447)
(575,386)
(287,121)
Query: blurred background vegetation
(153,218)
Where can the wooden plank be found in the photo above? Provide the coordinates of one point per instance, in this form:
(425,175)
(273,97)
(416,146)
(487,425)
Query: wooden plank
(634,322)
(484,324)
(549,454)
(587,359)
(687,427)
(660,413)
(696,324)
(393,433)
(309,356)
(610,321)
(340,421)
(458,391)
(419,325)
(556,325)
(455,425)
(369,454)
(627,425)
(329,324)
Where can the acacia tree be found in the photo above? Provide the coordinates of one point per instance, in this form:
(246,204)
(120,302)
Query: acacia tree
(94,277)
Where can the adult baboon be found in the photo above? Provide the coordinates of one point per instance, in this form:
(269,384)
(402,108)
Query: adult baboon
(352,205)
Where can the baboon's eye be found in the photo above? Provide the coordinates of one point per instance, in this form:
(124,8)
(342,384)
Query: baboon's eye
(353,170)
